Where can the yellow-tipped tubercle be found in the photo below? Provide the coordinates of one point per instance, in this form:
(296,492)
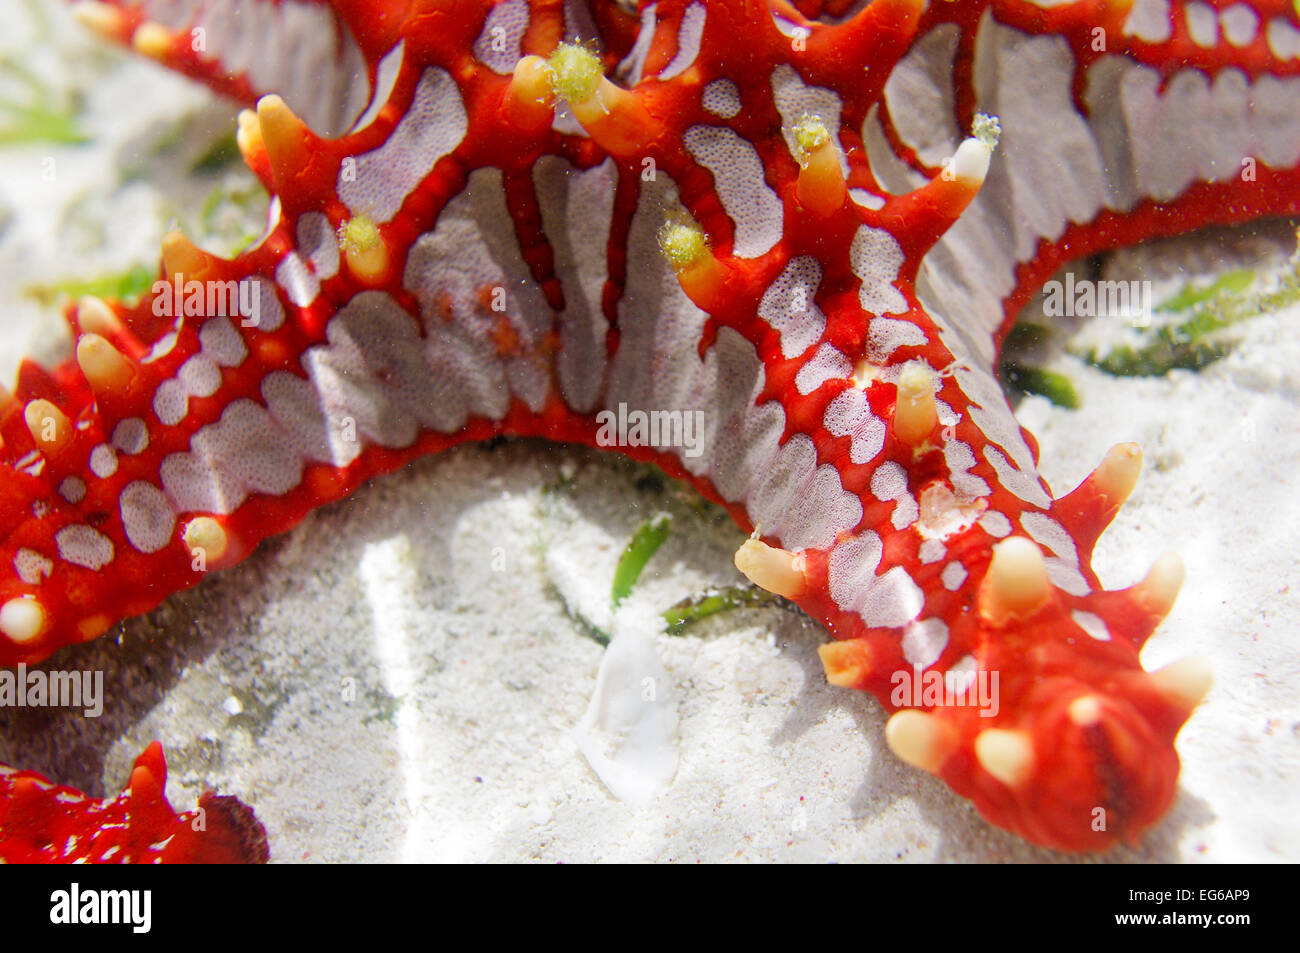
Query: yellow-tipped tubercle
(576,72)
(820,188)
(364,249)
(687,249)
(612,116)
(810,133)
(970,163)
(915,412)
(683,245)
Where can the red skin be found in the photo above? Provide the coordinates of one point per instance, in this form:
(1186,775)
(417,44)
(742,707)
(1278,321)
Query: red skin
(1125,763)
(41,823)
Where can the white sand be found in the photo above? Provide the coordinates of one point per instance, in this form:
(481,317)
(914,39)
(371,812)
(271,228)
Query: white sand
(400,677)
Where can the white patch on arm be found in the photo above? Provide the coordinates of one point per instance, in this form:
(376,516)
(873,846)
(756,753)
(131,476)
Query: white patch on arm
(433,127)
(754,208)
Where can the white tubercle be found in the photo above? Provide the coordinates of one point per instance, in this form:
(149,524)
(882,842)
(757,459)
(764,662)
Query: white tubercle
(1185,682)
(1008,755)
(919,738)
(21,619)
(773,569)
(970,164)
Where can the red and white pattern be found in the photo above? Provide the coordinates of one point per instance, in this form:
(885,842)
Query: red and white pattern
(449,268)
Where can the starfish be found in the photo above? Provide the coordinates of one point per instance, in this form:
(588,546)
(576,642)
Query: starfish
(813,224)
